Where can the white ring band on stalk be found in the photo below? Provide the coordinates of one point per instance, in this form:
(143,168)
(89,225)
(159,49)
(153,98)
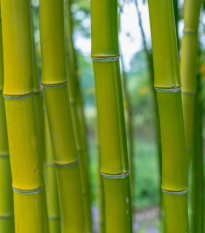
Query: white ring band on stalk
(105,59)
(6,217)
(55,85)
(66,165)
(175,193)
(32,191)
(168,89)
(17,97)
(4,156)
(115,176)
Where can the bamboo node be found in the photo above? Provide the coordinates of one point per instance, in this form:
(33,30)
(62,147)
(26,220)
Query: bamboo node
(4,155)
(31,191)
(6,217)
(106,59)
(175,192)
(115,176)
(11,97)
(173,89)
(55,85)
(66,165)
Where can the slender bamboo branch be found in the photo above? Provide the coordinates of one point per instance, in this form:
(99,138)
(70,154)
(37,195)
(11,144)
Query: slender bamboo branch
(74,95)
(20,114)
(54,80)
(168,88)
(111,124)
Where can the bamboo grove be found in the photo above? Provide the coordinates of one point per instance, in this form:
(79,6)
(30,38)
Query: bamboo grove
(45,161)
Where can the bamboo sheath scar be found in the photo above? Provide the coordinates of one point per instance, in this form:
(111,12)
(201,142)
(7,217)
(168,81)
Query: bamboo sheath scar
(111,123)
(167,85)
(74,94)
(6,194)
(54,80)
(20,115)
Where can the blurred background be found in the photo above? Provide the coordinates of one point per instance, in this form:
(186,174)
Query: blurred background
(135,43)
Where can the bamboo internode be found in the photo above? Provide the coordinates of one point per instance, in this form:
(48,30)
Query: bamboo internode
(21,121)
(111,124)
(54,80)
(167,84)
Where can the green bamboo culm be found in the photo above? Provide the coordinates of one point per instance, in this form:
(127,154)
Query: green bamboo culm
(6,194)
(189,90)
(51,184)
(167,85)
(111,123)
(20,116)
(197,192)
(54,80)
(188,70)
(74,95)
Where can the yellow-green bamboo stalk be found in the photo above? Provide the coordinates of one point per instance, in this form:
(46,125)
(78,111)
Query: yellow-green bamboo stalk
(6,194)
(100,193)
(189,89)
(20,116)
(188,69)
(74,94)
(51,184)
(167,85)
(54,80)
(111,124)
(197,223)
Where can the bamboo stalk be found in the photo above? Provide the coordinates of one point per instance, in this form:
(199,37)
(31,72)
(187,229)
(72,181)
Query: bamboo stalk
(74,95)
(189,89)
(197,224)
(111,124)
(167,85)
(188,69)
(6,195)
(54,80)
(51,184)
(20,116)
(128,107)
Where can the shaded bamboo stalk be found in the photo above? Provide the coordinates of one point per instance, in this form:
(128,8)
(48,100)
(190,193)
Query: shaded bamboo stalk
(77,113)
(197,224)
(154,94)
(168,88)
(20,115)
(188,70)
(111,123)
(54,80)
(176,18)
(51,184)
(128,108)
(189,100)
(100,192)
(6,194)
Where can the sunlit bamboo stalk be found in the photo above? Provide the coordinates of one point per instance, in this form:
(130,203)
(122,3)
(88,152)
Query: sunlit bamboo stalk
(20,116)
(6,194)
(111,124)
(74,95)
(54,80)
(168,88)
